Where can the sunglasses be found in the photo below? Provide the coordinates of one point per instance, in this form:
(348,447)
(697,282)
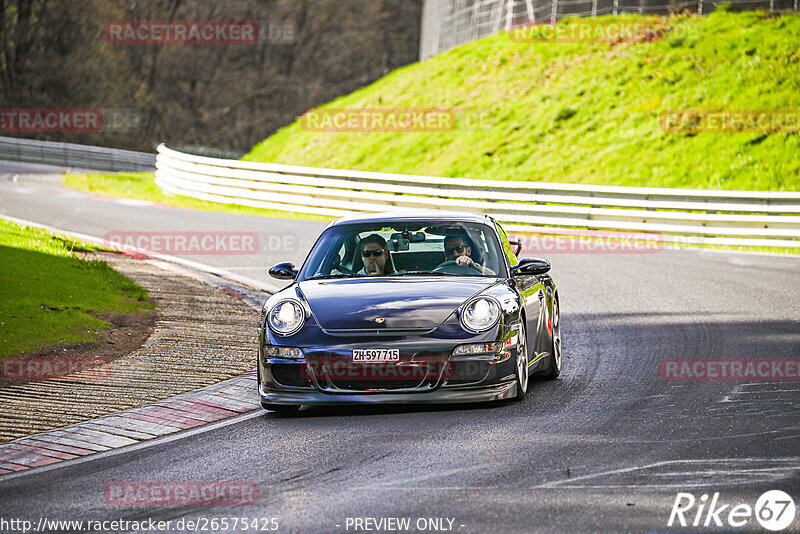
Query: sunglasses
(375,253)
(456,249)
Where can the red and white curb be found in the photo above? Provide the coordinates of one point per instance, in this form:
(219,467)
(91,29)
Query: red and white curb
(188,410)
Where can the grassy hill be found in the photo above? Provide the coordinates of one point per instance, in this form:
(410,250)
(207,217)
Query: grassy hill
(585,112)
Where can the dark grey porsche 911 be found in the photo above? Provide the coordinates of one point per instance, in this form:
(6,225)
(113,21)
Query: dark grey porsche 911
(419,307)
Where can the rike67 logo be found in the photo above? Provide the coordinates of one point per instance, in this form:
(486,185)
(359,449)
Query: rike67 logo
(774,510)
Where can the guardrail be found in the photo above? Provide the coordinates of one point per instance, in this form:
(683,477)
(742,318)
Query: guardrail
(72,155)
(689,216)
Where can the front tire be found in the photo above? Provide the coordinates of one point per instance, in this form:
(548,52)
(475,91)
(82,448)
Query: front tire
(522,362)
(555,347)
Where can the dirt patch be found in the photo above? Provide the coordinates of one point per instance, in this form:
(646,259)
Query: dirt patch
(128,332)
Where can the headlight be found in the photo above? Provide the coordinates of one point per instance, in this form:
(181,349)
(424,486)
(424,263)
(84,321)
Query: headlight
(286,317)
(480,314)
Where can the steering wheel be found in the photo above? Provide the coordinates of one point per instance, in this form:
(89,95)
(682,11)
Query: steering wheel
(337,266)
(451,267)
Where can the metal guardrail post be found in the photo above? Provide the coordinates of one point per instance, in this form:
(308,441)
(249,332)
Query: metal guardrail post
(73,155)
(532,15)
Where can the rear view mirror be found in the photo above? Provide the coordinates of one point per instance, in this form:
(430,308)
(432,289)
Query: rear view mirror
(409,237)
(396,244)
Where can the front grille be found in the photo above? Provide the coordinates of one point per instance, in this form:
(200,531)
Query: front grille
(371,376)
(343,374)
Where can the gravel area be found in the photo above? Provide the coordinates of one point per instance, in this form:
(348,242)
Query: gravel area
(201,336)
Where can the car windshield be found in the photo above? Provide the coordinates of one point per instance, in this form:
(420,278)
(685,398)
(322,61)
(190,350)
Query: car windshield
(405,248)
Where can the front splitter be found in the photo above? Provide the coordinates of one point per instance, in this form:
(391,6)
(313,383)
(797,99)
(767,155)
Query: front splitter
(440,396)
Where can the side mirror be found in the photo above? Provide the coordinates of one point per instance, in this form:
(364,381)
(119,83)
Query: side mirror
(283,271)
(516,244)
(530,266)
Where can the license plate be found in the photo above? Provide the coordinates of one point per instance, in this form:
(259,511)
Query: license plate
(376,355)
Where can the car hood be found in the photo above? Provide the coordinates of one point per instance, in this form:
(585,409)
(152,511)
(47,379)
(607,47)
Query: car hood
(388,303)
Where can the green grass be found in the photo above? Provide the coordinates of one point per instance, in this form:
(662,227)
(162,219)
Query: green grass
(142,185)
(49,295)
(584,112)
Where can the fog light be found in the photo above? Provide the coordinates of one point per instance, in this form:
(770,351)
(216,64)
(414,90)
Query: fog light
(283,352)
(478,348)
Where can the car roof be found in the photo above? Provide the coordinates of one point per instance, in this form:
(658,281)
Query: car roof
(435,216)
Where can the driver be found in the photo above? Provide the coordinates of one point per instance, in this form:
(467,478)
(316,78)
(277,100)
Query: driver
(375,254)
(458,248)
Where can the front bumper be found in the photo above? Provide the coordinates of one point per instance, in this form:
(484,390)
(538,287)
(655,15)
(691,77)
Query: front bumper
(494,381)
(455,395)
(439,376)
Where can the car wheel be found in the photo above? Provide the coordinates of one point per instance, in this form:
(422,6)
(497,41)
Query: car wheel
(280,408)
(555,358)
(522,362)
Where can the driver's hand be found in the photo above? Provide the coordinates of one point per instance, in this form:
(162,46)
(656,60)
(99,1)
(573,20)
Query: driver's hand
(465,261)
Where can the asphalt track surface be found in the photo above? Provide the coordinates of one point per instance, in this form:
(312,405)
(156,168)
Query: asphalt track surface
(605,448)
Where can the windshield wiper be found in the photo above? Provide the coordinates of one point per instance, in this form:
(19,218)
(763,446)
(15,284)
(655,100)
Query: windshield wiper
(338,275)
(437,273)
(422,273)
